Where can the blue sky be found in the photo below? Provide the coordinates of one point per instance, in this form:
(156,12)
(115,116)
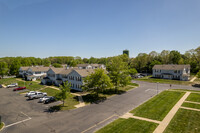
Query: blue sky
(98,28)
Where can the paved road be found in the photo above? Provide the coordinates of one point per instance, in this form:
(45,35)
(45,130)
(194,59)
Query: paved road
(86,119)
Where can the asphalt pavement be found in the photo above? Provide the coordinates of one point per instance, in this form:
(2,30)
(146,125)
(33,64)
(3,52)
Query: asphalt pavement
(86,119)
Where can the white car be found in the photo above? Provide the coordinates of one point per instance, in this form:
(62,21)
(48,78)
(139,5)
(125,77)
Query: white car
(37,95)
(43,99)
(30,93)
(12,85)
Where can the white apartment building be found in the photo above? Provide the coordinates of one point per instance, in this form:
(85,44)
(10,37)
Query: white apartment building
(177,72)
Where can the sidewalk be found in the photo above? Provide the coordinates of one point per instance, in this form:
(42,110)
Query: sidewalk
(193,79)
(161,127)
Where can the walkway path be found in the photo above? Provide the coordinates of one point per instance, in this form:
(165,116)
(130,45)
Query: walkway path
(129,115)
(193,79)
(52,87)
(190,108)
(161,127)
(81,102)
(192,102)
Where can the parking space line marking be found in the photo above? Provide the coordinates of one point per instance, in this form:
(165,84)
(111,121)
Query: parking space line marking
(98,123)
(19,121)
(25,114)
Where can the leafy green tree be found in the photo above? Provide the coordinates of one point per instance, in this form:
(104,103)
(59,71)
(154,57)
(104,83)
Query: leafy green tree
(155,62)
(97,81)
(65,91)
(92,60)
(198,74)
(14,68)
(174,57)
(57,65)
(132,71)
(165,56)
(46,62)
(124,79)
(117,70)
(140,62)
(3,69)
(73,63)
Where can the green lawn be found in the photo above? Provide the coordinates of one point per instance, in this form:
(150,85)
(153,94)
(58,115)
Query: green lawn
(50,91)
(191,105)
(8,81)
(30,85)
(158,107)
(1,125)
(185,121)
(129,126)
(166,81)
(194,97)
(70,103)
(103,95)
(186,90)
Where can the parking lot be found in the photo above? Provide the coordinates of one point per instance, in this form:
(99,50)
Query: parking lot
(16,108)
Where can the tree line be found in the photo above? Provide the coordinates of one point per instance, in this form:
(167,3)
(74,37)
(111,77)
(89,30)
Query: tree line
(142,63)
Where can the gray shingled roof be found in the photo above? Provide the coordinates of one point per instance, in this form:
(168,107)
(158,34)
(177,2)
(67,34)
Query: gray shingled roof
(171,67)
(82,65)
(65,71)
(57,70)
(96,65)
(84,72)
(38,69)
(24,68)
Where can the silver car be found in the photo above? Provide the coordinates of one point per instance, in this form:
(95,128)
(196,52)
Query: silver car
(41,100)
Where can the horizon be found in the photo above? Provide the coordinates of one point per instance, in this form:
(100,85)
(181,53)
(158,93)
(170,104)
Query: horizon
(48,28)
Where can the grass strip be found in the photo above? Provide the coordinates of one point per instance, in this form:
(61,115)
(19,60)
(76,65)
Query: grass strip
(191,105)
(194,97)
(1,125)
(159,106)
(165,81)
(185,121)
(129,126)
(50,91)
(186,90)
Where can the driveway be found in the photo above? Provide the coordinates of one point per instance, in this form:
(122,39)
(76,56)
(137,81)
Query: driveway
(86,119)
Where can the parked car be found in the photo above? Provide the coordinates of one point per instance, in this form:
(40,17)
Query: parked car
(37,95)
(196,85)
(43,99)
(140,76)
(49,100)
(30,93)
(19,88)
(12,85)
(1,86)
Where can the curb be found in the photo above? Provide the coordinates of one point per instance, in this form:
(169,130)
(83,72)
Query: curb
(2,127)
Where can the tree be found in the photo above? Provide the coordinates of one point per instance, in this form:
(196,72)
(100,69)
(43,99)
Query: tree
(140,62)
(124,79)
(97,81)
(174,57)
(117,71)
(132,71)
(57,65)
(165,56)
(65,91)
(153,63)
(46,62)
(3,69)
(14,68)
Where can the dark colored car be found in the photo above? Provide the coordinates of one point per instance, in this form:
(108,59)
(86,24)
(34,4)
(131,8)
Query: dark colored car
(19,88)
(49,100)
